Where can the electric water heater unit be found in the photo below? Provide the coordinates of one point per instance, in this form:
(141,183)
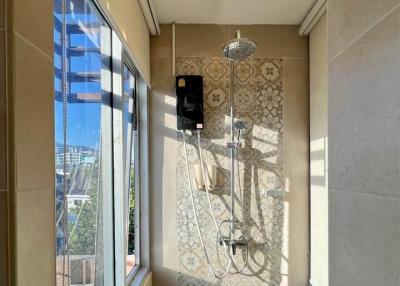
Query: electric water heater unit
(189,103)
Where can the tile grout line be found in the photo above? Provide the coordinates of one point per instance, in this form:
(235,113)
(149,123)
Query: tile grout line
(33,45)
(254,57)
(24,190)
(372,26)
(364,193)
(163,57)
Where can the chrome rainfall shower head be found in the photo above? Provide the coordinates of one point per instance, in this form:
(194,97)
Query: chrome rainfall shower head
(239,48)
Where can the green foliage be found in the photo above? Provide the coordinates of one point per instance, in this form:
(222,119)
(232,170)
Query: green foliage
(83,239)
(131,235)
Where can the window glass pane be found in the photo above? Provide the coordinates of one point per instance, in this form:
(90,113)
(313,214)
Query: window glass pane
(129,119)
(80,122)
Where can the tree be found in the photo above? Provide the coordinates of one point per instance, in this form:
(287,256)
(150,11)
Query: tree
(131,227)
(83,239)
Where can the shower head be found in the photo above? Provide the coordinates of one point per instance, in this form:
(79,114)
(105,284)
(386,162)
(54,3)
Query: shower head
(240,125)
(239,48)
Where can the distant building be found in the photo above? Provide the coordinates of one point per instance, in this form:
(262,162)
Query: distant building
(74,155)
(77,200)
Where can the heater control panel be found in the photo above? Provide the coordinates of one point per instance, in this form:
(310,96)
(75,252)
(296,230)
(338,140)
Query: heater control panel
(189,102)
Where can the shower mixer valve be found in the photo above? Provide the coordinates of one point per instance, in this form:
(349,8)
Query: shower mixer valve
(236,236)
(233,242)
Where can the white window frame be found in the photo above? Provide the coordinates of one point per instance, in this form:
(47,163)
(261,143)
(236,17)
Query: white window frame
(121,57)
(119,253)
(135,144)
(106,184)
(107,160)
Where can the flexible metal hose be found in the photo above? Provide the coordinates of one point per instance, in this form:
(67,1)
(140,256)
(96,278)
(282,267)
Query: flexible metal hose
(218,227)
(206,186)
(226,271)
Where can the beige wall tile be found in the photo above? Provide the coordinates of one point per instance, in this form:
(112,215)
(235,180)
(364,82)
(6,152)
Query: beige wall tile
(319,212)
(3,237)
(161,46)
(34,118)
(35,241)
(296,99)
(364,239)
(296,152)
(364,102)
(2,14)
(200,40)
(34,22)
(319,79)
(348,20)
(363,120)
(161,74)
(3,133)
(129,18)
(163,173)
(282,41)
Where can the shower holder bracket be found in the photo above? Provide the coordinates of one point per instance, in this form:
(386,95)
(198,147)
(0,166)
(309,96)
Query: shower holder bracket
(234,145)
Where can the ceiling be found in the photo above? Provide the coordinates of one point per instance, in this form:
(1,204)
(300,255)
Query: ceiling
(286,12)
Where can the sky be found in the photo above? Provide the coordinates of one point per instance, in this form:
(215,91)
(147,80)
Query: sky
(83,118)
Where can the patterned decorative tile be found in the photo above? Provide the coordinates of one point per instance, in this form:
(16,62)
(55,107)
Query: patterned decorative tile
(215,72)
(258,85)
(270,99)
(189,66)
(259,206)
(216,69)
(244,71)
(214,125)
(245,98)
(216,98)
(269,71)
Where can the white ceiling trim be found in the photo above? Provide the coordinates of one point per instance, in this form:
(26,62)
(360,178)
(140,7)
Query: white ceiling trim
(239,12)
(313,17)
(150,16)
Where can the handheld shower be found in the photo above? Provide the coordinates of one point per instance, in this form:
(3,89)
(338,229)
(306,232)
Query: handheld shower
(239,125)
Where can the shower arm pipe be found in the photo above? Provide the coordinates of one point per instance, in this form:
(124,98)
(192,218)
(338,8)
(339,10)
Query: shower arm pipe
(232,148)
(218,227)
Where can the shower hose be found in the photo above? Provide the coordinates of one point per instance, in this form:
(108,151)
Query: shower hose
(230,261)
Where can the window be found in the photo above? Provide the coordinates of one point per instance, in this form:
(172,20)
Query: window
(130,139)
(81,121)
(97,173)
